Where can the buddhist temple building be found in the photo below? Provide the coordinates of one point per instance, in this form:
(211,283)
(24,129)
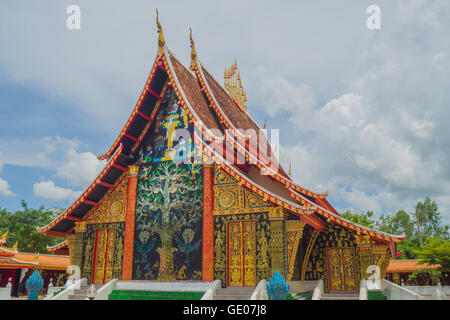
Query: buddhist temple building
(16,267)
(398,271)
(192,190)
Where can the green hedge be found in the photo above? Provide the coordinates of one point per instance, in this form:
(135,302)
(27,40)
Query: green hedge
(375,295)
(154,295)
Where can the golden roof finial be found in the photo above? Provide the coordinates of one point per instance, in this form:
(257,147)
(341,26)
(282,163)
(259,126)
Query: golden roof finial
(193,52)
(290,169)
(161,40)
(36,258)
(3,237)
(265,123)
(233,84)
(15,246)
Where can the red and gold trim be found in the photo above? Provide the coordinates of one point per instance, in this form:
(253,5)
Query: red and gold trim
(127,267)
(135,112)
(332,217)
(63,244)
(255,159)
(208,224)
(80,200)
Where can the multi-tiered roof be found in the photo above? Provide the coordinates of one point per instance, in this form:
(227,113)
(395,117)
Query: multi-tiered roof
(212,109)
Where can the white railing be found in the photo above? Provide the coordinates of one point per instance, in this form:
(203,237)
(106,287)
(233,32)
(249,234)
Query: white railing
(64,295)
(211,292)
(428,290)
(51,289)
(396,292)
(318,290)
(5,293)
(260,292)
(363,290)
(104,292)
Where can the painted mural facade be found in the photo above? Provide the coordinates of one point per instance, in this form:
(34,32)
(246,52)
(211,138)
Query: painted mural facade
(252,237)
(168,224)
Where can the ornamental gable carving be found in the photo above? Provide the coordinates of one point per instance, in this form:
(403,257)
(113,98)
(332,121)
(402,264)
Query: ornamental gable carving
(231,198)
(113,206)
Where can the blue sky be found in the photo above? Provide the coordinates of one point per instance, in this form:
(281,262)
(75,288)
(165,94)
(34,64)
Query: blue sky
(362,113)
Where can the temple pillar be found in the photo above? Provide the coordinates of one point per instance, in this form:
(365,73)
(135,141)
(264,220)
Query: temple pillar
(396,278)
(277,243)
(130,216)
(364,246)
(208,224)
(294,232)
(382,255)
(75,243)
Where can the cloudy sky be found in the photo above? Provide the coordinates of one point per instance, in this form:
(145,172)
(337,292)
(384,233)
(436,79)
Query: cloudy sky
(362,113)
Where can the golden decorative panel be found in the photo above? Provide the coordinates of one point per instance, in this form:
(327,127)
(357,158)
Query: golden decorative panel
(294,232)
(113,207)
(241,253)
(231,198)
(381,257)
(341,269)
(241,249)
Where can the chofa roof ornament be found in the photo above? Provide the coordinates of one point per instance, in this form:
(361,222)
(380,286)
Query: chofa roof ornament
(161,40)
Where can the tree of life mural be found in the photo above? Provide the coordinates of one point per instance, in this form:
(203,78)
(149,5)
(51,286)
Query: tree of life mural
(168,222)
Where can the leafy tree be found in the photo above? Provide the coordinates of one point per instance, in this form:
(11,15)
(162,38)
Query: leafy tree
(361,219)
(21,227)
(400,223)
(435,251)
(425,276)
(430,221)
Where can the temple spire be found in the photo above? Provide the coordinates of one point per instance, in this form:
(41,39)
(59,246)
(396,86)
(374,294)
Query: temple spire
(233,84)
(193,51)
(161,40)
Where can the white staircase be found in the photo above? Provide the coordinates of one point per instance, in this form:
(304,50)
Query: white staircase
(351,295)
(82,293)
(234,293)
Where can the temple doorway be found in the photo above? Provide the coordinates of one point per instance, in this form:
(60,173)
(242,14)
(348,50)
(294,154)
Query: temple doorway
(341,269)
(103,255)
(241,253)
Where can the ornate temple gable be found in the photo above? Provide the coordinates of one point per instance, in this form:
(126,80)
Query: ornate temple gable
(112,208)
(231,198)
(168,221)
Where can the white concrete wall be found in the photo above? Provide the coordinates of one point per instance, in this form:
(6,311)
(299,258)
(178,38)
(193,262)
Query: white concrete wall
(181,286)
(211,292)
(396,292)
(428,290)
(302,286)
(104,292)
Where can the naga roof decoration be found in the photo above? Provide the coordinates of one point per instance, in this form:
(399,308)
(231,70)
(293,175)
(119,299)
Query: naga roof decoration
(59,247)
(213,111)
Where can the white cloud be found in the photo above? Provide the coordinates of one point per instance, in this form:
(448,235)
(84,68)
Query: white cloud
(80,168)
(5,189)
(278,95)
(48,190)
(440,56)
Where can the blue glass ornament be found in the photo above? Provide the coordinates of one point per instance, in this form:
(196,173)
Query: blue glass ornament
(277,287)
(34,284)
